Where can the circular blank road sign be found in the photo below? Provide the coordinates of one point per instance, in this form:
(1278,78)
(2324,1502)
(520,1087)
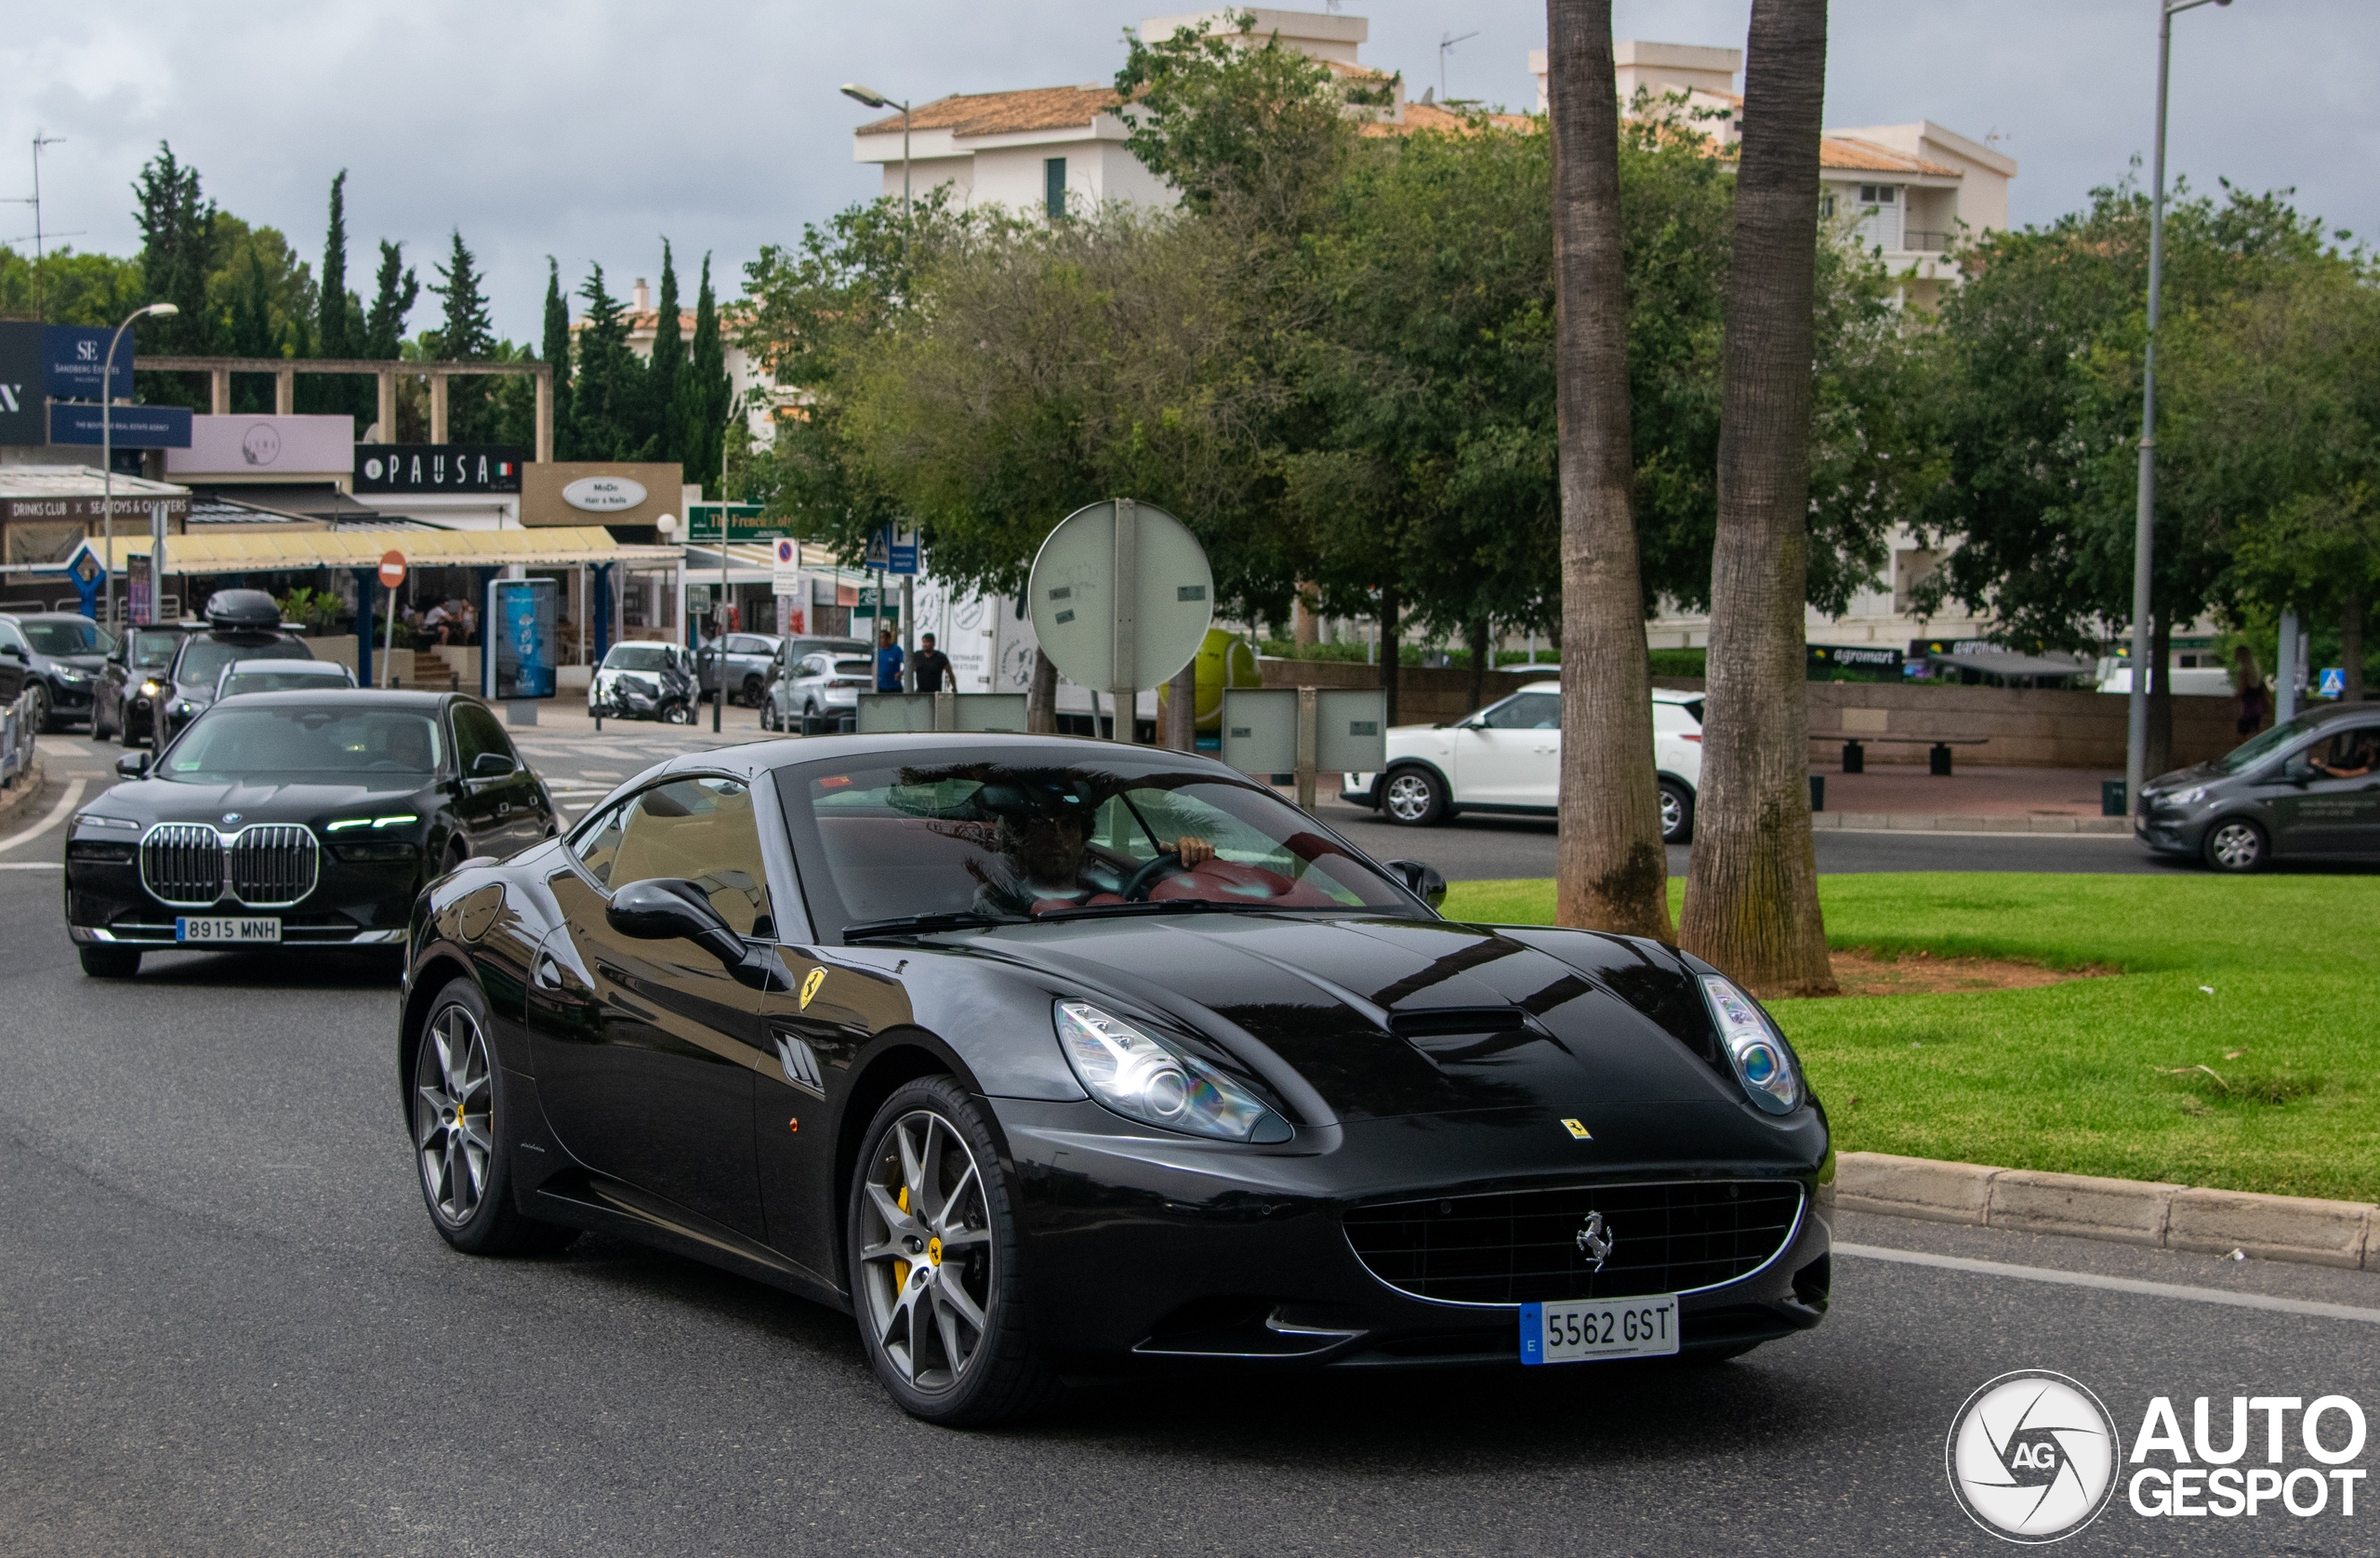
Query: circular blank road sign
(1122,596)
(392,570)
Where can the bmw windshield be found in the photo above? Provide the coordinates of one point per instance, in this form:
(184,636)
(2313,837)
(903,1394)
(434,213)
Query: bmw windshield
(993,843)
(376,746)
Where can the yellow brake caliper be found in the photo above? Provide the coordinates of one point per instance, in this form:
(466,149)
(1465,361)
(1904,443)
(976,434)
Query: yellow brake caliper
(901,1267)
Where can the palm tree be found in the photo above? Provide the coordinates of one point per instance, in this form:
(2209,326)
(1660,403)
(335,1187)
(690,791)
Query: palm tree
(1751,902)
(1611,871)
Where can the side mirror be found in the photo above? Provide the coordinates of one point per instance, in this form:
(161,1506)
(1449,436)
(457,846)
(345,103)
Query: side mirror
(491,765)
(14,652)
(1424,881)
(133,765)
(666,908)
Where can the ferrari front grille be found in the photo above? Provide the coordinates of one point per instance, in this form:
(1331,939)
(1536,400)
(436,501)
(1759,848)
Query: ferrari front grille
(269,865)
(1592,1242)
(274,864)
(182,863)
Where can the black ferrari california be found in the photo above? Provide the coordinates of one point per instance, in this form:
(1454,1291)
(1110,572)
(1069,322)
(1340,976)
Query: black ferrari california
(1047,1057)
(294,819)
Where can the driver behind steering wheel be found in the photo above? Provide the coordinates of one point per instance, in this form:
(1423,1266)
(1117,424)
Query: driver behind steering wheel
(1049,864)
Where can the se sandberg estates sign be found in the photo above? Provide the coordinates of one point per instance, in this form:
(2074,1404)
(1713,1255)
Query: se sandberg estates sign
(438,468)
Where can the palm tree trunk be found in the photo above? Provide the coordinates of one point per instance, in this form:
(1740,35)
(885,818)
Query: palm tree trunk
(1181,709)
(1482,647)
(1611,871)
(1388,651)
(1752,901)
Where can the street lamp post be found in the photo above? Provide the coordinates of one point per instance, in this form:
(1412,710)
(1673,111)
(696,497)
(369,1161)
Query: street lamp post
(107,452)
(2144,529)
(874,99)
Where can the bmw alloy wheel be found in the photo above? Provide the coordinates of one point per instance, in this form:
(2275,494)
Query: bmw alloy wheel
(2235,846)
(925,1250)
(453,1109)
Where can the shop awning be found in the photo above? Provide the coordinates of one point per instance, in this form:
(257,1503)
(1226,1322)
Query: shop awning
(2015,665)
(554,546)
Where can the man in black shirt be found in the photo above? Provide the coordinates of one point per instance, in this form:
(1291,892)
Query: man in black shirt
(933,666)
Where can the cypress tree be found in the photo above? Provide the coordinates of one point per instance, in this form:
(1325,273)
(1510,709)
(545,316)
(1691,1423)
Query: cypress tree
(178,251)
(704,401)
(465,335)
(664,371)
(384,327)
(556,350)
(330,328)
(610,382)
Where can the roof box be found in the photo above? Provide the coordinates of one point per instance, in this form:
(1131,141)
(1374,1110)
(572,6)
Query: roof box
(246,610)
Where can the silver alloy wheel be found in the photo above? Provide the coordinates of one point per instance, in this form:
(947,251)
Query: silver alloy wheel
(926,1252)
(452,1113)
(2235,846)
(1408,796)
(1672,813)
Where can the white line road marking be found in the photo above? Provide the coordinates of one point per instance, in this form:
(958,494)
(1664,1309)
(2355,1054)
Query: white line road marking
(66,803)
(2113,1284)
(33,866)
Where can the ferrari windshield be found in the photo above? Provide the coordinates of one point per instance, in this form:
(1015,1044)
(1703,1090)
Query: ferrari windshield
(348,744)
(1013,842)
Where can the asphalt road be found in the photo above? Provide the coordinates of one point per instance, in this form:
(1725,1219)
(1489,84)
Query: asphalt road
(229,1328)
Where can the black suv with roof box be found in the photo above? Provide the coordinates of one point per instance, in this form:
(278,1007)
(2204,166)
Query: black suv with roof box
(241,625)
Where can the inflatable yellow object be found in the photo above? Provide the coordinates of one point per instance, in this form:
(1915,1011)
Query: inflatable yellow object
(1224,660)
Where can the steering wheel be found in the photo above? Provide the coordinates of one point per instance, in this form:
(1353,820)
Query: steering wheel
(1136,887)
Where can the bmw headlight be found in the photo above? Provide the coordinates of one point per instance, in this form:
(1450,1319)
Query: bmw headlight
(1762,1061)
(1144,1078)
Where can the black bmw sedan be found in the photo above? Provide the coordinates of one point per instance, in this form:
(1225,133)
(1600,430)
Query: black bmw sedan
(294,819)
(1045,1057)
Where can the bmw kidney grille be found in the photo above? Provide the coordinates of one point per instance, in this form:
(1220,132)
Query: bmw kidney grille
(1531,1246)
(268,866)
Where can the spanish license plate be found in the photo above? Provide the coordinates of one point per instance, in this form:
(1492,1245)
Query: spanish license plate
(1588,1328)
(224,930)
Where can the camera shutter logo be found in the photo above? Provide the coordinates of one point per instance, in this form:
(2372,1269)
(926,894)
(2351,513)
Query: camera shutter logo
(2032,1456)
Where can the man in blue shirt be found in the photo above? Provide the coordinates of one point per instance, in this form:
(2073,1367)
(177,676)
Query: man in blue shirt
(888,662)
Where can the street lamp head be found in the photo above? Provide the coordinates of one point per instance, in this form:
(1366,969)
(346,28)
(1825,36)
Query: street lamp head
(666,524)
(162,309)
(874,99)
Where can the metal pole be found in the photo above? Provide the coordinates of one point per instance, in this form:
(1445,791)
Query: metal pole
(390,653)
(2285,698)
(719,628)
(2144,529)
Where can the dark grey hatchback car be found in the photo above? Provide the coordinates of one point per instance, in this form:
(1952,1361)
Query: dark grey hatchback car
(2308,789)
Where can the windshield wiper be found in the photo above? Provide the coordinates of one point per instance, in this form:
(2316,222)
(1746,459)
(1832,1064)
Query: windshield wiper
(910,924)
(1162,905)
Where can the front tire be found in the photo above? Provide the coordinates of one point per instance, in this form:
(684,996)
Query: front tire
(1412,797)
(678,713)
(37,706)
(752,691)
(2237,846)
(462,1133)
(1677,813)
(108,962)
(931,1245)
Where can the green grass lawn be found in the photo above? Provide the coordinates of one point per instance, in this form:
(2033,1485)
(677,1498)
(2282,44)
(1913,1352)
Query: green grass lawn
(2270,983)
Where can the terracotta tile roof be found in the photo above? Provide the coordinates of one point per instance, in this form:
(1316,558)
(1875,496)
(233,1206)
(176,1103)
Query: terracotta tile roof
(1430,117)
(1852,155)
(976,114)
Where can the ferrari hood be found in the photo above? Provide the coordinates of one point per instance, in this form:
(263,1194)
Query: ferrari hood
(1381,1018)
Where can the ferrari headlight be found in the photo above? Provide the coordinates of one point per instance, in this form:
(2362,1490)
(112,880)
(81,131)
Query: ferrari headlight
(1142,1078)
(1762,1061)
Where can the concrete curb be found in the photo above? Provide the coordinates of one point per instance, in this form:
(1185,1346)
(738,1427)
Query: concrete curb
(2294,1228)
(1915,822)
(19,794)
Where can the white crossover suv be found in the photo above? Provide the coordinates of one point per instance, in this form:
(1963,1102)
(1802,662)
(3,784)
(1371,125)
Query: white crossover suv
(1507,759)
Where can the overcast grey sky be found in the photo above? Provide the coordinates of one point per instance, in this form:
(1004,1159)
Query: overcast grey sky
(587,131)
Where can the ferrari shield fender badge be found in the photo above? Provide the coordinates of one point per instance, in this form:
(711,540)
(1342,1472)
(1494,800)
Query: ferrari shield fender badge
(1596,1240)
(1578,1130)
(810,982)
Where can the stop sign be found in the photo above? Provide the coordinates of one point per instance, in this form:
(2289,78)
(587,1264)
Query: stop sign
(392,570)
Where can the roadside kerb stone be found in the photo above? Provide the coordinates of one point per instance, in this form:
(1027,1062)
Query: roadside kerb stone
(1926,822)
(2275,1227)
(15,798)
(2294,1228)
